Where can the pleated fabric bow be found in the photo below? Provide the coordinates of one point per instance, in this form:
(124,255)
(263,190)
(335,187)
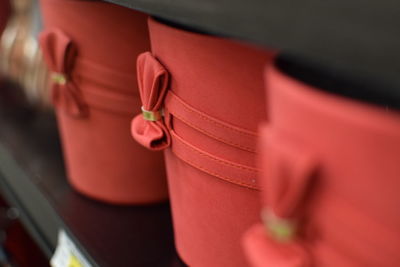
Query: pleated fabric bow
(60,54)
(148,128)
(288,175)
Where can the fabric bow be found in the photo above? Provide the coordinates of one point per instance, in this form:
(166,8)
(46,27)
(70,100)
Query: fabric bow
(59,54)
(288,170)
(148,128)
(288,175)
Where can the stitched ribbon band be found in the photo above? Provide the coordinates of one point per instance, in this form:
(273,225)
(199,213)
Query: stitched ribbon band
(223,169)
(59,54)
(108,86)
(155,132)
(148,128)
(222,131)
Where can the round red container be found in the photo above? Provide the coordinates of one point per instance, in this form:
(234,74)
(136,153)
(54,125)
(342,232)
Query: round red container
(329,165)
(212,94)
(91,47)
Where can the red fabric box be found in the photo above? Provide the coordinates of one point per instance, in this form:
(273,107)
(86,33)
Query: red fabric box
(331,173)
(91,49)
(210,91)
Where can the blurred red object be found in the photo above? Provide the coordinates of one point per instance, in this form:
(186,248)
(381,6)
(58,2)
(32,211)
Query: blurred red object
(91,49)
(330,179)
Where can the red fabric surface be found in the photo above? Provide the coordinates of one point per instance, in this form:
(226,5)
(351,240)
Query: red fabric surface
(212,109)
(342,157)
(95,46)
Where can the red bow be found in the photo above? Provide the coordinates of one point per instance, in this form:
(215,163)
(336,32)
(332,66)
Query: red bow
(148,128)
(288,172)
(59,54)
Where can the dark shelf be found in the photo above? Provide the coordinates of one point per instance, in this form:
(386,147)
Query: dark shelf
(357,38)
(32,179)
